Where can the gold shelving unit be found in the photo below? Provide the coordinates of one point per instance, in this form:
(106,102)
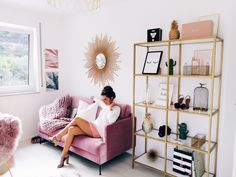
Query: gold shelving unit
(164,165)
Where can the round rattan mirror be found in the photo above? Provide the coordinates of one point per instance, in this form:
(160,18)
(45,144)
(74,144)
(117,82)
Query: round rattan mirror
(102,60)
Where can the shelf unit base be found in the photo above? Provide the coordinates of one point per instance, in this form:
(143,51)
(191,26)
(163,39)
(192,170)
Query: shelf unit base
(158,166)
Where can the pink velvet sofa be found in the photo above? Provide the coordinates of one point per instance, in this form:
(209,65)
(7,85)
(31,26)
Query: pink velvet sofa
(117,139)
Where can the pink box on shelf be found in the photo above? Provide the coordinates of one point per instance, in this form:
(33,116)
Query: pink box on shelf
(197,29)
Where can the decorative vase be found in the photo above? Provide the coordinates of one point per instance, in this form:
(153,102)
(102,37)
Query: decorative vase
(183,132)
(174,33)
(147,125)
(147,96)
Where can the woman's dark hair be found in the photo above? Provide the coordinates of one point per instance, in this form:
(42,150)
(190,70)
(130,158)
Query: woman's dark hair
(108,91)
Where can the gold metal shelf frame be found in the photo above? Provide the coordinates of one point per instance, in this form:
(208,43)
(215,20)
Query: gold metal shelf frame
(164,165)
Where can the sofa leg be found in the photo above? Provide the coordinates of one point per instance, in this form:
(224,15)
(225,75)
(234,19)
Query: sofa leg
(100,169)
(40,140)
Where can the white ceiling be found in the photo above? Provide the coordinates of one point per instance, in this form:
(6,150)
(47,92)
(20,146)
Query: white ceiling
(42,5)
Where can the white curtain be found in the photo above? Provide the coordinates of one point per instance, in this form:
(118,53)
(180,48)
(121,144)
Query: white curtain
(234,165)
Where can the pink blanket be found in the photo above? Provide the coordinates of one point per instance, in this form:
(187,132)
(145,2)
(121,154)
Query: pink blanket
(53,116)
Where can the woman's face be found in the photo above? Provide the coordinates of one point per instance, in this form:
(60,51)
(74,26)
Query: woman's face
(106,100)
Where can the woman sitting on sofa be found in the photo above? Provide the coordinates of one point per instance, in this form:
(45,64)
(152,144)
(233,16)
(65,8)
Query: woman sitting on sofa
(78,126)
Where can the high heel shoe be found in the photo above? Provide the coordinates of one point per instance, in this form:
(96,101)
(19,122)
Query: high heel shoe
(187,101)
(179,104)
(63,159)
(55,141)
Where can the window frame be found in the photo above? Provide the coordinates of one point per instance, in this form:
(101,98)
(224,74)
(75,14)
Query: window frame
(33,61)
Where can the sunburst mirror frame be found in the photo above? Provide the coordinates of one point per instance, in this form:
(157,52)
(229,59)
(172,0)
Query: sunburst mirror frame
(102,45)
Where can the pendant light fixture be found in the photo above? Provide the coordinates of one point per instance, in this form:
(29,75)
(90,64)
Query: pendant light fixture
(88,4)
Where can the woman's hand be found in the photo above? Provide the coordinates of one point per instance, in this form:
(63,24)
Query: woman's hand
(112,105)
(92,98)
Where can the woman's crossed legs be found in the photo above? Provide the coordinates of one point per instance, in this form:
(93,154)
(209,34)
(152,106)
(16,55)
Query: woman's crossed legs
(77,126)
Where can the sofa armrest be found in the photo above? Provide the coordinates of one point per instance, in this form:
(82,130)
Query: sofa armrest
(118,137)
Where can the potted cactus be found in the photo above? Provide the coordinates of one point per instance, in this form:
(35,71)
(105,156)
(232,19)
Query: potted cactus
(171,67)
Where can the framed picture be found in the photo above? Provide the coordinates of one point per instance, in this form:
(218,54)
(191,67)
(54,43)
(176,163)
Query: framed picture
(51,58)
(162,94)
(199,164)
(154,35)
(204,56)
(152,62)
(215,18)
(52,81)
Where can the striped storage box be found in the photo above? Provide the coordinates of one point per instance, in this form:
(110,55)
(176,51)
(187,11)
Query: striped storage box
(182,162)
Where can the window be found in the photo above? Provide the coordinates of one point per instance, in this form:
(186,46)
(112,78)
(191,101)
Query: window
(18,59)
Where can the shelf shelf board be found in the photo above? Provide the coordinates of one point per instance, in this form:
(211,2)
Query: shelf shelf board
(187,144)
(193,76)
(162,43)
(193,112)
(153,106)
(172,139)
(152,135)
(150,75)
(178,76)
(158,165)
(172,109)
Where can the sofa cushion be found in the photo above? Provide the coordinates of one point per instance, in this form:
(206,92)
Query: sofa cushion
(87,111)
(125,110)
(75,101)
(92,145)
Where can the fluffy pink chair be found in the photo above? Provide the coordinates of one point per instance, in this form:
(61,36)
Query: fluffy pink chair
(10,129)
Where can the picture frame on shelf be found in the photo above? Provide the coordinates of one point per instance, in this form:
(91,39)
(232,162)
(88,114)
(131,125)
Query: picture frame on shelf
(152,62)
(215,18)
(162,94)
(199,164)
(154,35)
(205,57)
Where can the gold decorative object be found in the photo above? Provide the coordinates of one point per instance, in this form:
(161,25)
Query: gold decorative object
(102,60)
(198,140)
(174,33)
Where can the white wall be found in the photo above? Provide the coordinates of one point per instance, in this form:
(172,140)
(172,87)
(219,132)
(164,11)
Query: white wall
(127,23)
(26,106)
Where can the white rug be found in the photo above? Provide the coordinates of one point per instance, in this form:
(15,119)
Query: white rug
(41,160)
(65,173)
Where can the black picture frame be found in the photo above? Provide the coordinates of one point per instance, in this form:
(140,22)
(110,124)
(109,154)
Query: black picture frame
(154,35)
(155,61)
